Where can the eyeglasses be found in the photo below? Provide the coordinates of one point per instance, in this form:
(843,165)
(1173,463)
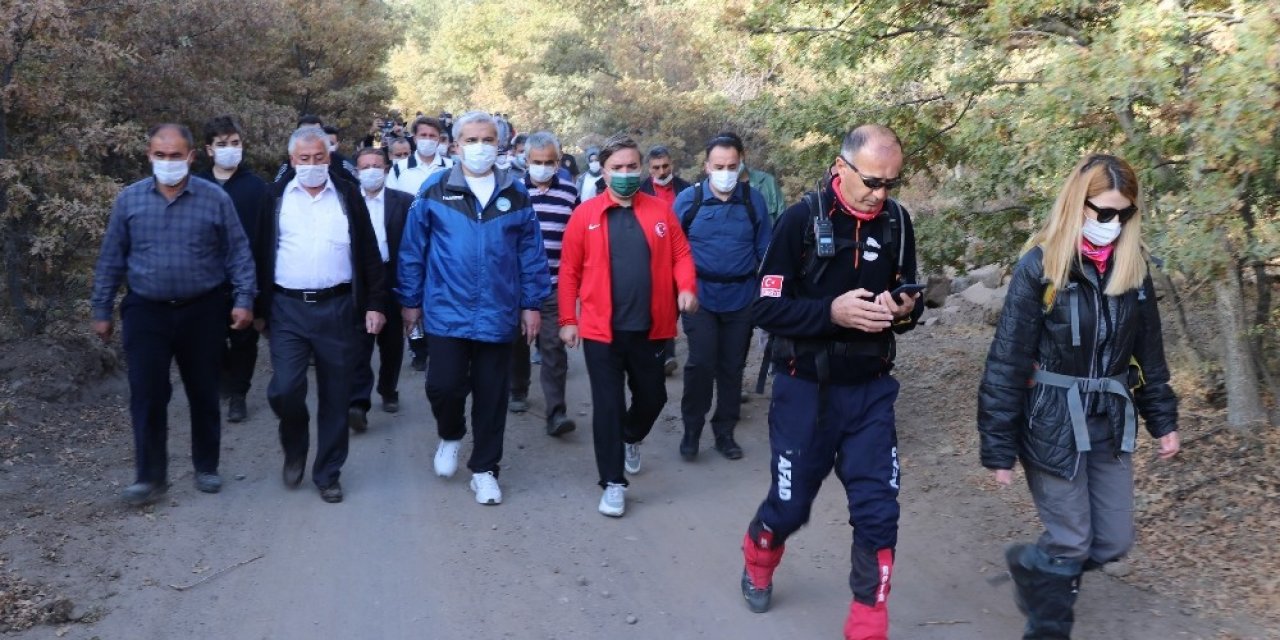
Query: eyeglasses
(1107,215)
(875,183)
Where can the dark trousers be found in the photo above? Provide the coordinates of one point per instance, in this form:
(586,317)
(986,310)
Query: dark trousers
(459,368)
(669,350)
(636,361)
(239,357)
(155,334)
(331,332)
(718,345)
(390,343)
(857,437)
(1088,518)
(555,360)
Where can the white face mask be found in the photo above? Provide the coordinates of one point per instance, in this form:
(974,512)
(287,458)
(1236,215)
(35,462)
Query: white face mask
(479,157)
(372,178)
(503,162)
(312,175)
(427,148)
(541,173)
(594,166)
(227,157)
(662,182)
(724,181)
(1101,234)
(169,172)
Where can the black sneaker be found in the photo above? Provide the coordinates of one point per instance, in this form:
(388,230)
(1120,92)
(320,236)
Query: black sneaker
(757,599)
(140,493)
(208,482)
(419,364)
(391,404)
(358,419)
(728,448)
(689,445)
(558,424)
(293,470)
(236,409)
(669,367)
(332,493)
(518,404)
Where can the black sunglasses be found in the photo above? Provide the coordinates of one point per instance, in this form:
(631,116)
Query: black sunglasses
(875,183)
(1106,215)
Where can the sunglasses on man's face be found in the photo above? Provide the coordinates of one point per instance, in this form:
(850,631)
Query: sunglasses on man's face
(875,183)
(1107,215)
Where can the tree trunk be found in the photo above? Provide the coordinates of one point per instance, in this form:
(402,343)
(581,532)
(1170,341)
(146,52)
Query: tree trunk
(1244,403)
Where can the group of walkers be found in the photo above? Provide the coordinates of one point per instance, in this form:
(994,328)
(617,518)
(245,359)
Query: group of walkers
(496,253)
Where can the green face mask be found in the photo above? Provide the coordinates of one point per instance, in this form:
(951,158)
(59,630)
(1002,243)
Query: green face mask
(624,184)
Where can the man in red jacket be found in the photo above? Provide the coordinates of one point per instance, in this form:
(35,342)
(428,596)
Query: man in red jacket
(628,313)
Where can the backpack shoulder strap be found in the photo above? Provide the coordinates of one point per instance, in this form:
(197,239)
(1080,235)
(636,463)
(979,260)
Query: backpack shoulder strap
(686,220)
(751,208)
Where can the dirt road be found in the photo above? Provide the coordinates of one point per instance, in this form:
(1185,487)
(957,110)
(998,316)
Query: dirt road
(409,555)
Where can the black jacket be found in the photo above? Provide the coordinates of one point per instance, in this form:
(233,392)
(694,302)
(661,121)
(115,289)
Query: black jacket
(676,183)
(1016,419)
(368,286)
(247,191)
(800,309)
(396,212)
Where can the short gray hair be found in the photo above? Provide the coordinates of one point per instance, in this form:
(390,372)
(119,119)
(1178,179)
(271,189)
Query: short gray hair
(542,140)
(472,117)
(865,134)
(307,134)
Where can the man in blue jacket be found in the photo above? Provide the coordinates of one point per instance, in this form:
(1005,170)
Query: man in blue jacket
(729,230)
(472,247)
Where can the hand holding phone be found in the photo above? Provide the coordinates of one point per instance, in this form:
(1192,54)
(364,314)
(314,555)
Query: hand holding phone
(907,290)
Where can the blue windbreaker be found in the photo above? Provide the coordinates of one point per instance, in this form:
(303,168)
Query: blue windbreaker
(472,266)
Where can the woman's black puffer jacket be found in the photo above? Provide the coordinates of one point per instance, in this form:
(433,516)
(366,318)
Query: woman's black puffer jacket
(1016,419)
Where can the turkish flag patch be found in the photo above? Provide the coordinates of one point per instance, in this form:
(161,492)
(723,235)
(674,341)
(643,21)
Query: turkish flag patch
(771,287)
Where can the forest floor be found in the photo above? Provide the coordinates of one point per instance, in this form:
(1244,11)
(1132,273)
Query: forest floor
(411,555)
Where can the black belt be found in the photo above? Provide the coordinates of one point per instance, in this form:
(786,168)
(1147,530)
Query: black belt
(314,295)
(789,348)
(178,303)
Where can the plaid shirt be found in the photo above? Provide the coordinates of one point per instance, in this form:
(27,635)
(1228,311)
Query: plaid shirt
(172,250)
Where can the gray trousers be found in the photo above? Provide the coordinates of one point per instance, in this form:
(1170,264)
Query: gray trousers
(1088,518)
(330,331)
(555,361)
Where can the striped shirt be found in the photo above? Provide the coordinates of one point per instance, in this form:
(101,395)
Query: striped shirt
(553,206)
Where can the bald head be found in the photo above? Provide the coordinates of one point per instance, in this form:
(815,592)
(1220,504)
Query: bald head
(876,138)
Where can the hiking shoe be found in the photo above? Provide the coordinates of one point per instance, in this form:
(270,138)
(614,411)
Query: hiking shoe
(208,482)
(614,501)
(140,493)
(332,493)
(358,419)
(558,424)
(632,460)
(236,409)
(391,404)
(447,458)
(728,448)
(669,367)
(518,404)
(689,444)
(757,599)
(486,487)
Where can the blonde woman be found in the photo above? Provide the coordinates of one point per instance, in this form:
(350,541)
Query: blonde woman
(1076,357)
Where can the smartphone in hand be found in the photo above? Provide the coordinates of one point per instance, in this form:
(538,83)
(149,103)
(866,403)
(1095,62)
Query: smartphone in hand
(907,290)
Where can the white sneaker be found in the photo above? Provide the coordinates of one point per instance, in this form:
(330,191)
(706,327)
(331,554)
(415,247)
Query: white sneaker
(486,488)
(632,462)
(447,458)
(614,501)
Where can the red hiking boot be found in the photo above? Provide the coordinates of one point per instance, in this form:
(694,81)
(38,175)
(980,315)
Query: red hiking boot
(871,622)
(757,577)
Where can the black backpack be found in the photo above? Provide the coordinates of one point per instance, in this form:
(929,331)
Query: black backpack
(892,244)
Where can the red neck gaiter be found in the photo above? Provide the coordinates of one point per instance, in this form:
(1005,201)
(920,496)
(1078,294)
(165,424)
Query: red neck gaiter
(1099,256)
(865,216)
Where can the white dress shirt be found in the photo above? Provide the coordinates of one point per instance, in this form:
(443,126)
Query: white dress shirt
(410,179)
(377,205)
(314,250)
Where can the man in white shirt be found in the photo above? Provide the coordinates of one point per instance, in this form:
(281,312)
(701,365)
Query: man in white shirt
(388,209)
(322,284)
(409,175)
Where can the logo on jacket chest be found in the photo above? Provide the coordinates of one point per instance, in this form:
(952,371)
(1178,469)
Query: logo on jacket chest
(503,204)
(870,250)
